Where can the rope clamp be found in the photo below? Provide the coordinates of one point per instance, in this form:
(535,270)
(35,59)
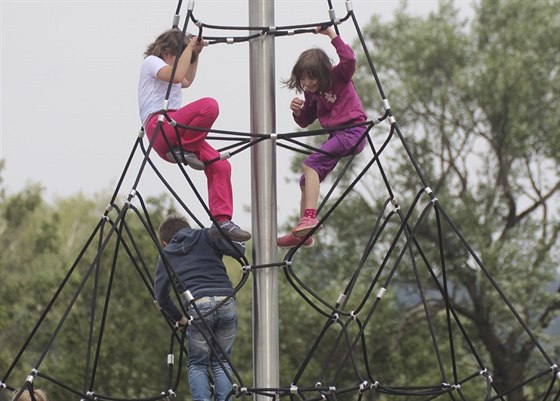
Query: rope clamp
(293,389)
(176,19)
(381,292)
(335,317)
(318,384)
(170,359)
(199,23)
(273,136)
(230,41)
(190,7)
(246,268)
(349,6)
(272,29)
(386,104)
(171,393)
(225,155)
(341,298)
(364,386)
(188,296)
(2,384)
(291,32)
(141,133)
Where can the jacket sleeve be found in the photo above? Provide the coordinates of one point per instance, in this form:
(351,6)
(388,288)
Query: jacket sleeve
(345,69)
(162,289)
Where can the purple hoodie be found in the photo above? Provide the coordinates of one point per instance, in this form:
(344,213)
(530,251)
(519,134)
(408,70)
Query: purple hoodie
(341,105)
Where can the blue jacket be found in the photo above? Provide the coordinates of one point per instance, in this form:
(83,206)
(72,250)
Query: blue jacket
(196,258)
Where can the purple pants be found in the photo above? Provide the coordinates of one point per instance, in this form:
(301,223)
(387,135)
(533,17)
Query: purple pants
(201,114)
(337,146)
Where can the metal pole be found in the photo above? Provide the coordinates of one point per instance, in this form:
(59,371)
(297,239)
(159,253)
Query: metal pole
(263,198)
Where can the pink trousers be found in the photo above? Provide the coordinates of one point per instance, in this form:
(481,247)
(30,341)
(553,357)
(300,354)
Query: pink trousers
(201,114)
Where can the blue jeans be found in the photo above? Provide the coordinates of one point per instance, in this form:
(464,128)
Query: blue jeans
(223,325)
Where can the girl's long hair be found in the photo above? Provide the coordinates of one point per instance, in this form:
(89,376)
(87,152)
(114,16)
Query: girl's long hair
(315,64)
(168,43)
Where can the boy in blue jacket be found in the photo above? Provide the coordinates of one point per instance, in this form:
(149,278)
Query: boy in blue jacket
(196,258)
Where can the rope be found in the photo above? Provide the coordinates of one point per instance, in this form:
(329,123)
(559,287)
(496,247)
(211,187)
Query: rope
(347,318)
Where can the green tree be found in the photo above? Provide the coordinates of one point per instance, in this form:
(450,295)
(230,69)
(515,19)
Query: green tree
(479,108)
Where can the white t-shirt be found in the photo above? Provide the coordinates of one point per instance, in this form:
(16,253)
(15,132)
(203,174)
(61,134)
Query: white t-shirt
(152,91)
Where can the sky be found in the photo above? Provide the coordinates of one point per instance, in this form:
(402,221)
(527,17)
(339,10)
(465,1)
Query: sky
(69,74)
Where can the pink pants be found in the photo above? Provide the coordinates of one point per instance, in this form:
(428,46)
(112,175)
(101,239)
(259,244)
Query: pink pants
(201,114)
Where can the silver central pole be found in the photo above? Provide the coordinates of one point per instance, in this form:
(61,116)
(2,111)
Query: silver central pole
(263,198)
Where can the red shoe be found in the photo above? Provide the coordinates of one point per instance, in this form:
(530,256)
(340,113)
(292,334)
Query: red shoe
(290,241)
(305,225)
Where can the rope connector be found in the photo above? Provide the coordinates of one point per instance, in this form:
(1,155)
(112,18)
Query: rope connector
(246,268)
(428,190)
(554,368)
(190,7)
(381,292)
(225,155)
(171,358)
(293,389)
(353,316)
(318,384)
(2,384)
(332,389)
(291,32)
(131,195)
(349,6)
(341,298)
(199,23)
(375,384)
(386,104)
(335,317)
(172,122)
(364,386)
(230,41)
(171,393)
(273,136)
(187,296)
(392,120)
(272,29)
(176,19)
(141,133)
(108,208)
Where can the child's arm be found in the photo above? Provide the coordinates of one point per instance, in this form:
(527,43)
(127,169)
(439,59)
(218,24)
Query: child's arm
(347,65)
(305,112)
(191,72)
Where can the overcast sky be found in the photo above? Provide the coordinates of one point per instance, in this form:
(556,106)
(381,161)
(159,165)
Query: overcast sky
(69,115)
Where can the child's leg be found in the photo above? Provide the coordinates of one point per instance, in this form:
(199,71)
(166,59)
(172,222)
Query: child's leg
(310,192)
(218,175)
(201,114)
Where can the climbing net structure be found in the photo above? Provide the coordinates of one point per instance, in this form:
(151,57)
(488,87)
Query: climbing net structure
(398,244)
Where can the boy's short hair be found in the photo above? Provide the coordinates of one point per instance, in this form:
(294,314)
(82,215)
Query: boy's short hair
(26,396)
(170,226)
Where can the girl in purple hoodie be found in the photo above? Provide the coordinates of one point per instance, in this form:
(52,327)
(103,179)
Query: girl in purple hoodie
(330,97)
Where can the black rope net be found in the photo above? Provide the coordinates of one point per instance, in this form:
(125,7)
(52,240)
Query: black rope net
(350,317)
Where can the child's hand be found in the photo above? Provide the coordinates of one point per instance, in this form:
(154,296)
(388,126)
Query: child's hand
(295,105)
(328,31)
(197,45)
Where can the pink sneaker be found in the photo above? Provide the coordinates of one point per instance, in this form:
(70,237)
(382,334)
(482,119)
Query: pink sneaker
(290,241)
(305,225)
